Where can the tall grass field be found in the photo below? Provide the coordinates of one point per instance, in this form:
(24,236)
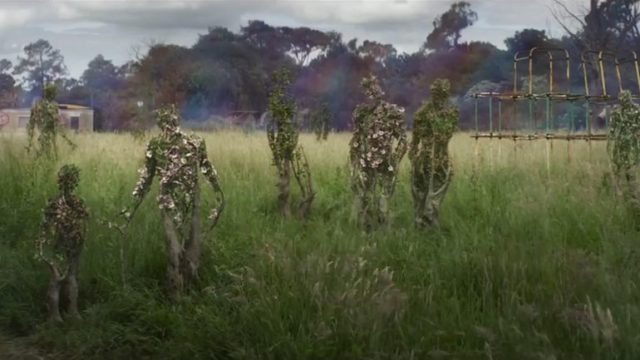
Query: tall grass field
(537,258)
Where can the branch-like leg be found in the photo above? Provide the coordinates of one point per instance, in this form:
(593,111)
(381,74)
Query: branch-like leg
(71,287)
(53,296)
(193,245)
(284,188)
(175,280)
(302,174)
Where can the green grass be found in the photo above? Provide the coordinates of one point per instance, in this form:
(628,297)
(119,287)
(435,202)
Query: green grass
(532,261)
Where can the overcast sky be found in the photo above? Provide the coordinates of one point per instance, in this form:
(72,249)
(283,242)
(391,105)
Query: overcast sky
(81,29)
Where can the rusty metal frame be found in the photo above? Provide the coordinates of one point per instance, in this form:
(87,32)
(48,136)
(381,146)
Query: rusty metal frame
(552,95)
(529,58)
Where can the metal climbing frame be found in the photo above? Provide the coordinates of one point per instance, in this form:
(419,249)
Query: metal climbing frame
(592,62)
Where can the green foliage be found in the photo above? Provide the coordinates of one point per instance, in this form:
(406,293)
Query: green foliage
(321,121)
(288,157)
(448,26)
(41,64)
(431,169)
(378,144)
(624,149)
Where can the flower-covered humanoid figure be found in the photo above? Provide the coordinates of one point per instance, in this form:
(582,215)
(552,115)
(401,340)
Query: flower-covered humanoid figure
(178,159)
(45,118)
(288,156)
(61,240)
(624,150)
(378,144)
(431,170)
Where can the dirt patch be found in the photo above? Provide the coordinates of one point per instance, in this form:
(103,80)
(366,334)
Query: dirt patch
(18,349)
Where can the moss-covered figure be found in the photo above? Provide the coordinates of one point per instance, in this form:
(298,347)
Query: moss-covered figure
(378,144)
(288,156)
(178,160)
(60,243)
(431,170)
(321,122)
(45,118)
(624,150)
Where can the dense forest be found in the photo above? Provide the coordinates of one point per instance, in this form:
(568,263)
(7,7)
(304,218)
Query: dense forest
(228,72)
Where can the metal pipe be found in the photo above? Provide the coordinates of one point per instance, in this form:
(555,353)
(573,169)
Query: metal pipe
(491,115)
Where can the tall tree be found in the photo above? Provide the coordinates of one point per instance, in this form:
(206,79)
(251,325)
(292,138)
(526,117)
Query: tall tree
(101,74)
(40,65)
(607,25)
(303,41)
(447,28)
(526,39)
(8,89)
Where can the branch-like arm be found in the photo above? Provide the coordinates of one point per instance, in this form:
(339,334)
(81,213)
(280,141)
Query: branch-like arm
(46,233)
(64,136)
(210,173)
(147,172)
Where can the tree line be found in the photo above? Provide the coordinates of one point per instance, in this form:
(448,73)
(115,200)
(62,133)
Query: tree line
(226,71)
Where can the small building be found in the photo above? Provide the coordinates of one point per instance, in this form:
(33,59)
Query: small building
(74,117)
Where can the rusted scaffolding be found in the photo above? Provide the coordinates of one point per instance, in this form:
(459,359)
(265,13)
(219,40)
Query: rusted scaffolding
(593,64)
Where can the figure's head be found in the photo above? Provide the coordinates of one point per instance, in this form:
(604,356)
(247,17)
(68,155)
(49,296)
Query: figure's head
(625,98)
(440,90)
(372,88)
(68,178)
(50,92)
(167,118)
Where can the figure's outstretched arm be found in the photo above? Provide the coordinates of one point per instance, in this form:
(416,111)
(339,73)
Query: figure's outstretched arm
(147,172)
(210,173)
(64,136)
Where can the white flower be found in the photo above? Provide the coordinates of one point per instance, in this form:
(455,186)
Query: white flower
(390,168)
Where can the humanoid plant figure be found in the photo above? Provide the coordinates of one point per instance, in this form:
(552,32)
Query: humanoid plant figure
(321,121)
(288,157)
(178,159)
(45,118)
(378,144)
(61,240)
(624,150)
(431,169)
